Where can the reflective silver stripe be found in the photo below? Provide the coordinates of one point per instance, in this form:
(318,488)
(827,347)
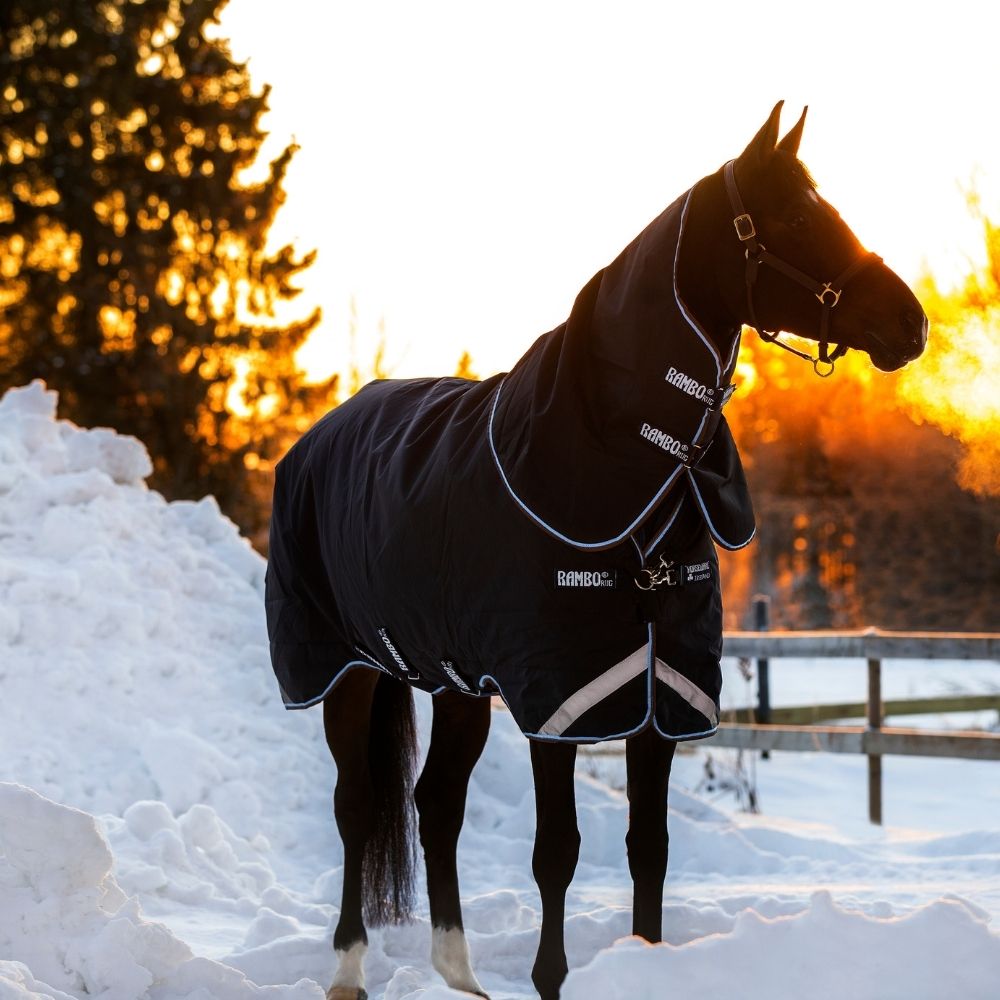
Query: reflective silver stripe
(597,690)
(690,692)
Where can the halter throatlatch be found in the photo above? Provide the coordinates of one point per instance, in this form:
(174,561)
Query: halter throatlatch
(827,292)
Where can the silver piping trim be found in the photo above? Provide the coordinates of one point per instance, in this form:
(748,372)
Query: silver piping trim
(729,546)
(684,737)
(731,363)
(691,321)
(350,665)
(608,543)
(670,523)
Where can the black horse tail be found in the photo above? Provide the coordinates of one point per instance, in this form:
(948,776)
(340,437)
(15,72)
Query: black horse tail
(390,853)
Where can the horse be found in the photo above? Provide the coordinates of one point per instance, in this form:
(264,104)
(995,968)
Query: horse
(549,535)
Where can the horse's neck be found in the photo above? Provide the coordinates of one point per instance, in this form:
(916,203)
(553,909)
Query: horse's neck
(698,271)
(698,294)
(609,404)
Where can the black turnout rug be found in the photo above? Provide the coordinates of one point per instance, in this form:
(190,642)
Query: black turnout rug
(548,534)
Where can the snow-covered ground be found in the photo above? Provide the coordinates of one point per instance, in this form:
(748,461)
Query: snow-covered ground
(166,827)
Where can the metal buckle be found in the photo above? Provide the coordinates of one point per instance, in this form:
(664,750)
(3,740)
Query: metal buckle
(718,399)
(744,227)
(692,456)
(822,295)
(665,574)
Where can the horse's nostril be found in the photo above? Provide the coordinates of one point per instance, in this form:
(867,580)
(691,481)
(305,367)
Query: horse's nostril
(914,322)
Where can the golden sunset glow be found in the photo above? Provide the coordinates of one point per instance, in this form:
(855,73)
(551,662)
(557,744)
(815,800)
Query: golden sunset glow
(956,386)
(463,174)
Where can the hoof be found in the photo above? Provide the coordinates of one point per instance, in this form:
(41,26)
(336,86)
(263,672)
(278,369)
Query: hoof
(346,993)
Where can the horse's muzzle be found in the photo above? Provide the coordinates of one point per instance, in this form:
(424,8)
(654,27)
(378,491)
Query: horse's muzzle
(915,325)
(890,356)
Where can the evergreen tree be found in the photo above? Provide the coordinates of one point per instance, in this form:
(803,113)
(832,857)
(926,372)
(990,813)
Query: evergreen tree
(135,275)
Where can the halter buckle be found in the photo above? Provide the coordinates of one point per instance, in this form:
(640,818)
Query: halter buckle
(745,229)
(823,367)
(822,295)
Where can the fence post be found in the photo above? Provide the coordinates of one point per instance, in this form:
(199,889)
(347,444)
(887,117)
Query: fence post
(874,723)
(761,623)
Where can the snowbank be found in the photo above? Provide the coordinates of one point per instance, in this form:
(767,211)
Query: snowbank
(825,952)
(166,831)
(73,930)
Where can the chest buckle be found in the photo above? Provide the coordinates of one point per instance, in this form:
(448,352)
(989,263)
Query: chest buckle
(665,574)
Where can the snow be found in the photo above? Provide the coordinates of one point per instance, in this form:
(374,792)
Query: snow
(166,827)
(829,950)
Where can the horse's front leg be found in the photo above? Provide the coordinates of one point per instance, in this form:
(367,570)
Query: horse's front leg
(648,758)
(557,848)
(458,735)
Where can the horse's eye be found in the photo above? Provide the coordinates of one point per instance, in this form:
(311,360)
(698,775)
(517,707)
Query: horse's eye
(799,222)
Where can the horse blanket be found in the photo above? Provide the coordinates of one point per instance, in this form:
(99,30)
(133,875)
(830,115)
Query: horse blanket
(547,535)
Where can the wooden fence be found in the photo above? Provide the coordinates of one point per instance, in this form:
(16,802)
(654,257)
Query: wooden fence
(769,729)
(874,739)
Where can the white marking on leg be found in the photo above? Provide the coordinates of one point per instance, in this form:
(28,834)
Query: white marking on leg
(450,956)
(351,967)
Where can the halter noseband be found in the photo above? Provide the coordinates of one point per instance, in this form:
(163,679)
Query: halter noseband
(828,292)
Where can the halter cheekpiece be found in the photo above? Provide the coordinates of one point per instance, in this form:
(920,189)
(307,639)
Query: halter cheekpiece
(827,292)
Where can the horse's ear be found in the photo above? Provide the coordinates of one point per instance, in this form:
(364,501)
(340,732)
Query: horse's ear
(762,145)
(790,144)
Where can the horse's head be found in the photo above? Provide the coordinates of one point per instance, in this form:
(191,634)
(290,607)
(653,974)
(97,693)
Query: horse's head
(789,261)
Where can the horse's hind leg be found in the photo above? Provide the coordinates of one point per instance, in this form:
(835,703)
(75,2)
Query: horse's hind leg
(346,719)
(352,714)
(458,735)
(557,847)
(648,759)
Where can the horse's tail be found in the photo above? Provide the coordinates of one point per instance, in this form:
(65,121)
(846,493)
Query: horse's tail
(390,854)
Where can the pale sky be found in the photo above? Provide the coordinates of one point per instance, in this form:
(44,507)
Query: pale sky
(466,167)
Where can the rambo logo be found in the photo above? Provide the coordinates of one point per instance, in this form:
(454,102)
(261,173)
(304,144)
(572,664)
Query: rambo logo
(689,385)
(663,440)
(394,653)
(449,669)
(586,578)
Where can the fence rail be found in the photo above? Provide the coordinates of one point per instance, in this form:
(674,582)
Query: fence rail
(870,643)
(811,715)
(859,739)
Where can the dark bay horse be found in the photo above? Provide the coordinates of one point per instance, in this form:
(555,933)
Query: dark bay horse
(549,536)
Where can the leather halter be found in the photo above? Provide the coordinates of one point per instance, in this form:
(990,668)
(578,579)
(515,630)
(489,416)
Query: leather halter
(828,292)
